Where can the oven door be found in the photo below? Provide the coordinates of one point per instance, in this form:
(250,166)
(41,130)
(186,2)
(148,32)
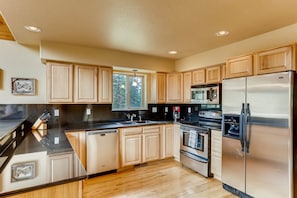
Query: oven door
(196,144)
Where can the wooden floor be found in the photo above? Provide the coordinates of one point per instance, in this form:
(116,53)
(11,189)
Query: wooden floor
(158,179)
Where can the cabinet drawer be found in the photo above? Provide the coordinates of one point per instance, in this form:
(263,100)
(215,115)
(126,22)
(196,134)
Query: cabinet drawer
(151,129)
(131,131)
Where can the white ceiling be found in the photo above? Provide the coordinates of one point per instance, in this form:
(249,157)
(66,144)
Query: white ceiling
(151,27)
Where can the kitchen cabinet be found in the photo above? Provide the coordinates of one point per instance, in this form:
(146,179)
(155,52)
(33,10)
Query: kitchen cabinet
(213,74)
(131,146)
(63,166)
(77,140)
(105,85)
(187,83)
(275,60)
(216,153)
(59,82)
(239,67)
(167,141)
(174,87)
(176,142)
(73,190)
(198,77)
(85,84)
(156,88)
(151,143)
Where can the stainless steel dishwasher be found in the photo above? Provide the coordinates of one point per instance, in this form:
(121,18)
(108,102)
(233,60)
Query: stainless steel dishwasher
(102,151)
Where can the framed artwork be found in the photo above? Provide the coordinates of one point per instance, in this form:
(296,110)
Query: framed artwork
(22,171)
(23,86)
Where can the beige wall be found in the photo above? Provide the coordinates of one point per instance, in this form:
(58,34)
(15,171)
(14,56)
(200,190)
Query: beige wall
(268,40)
(22,62)
(96,56)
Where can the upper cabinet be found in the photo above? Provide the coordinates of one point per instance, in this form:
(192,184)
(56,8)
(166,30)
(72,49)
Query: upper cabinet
(59,82)
(78,84)
(187,83)
(239,67)
(105,85)
(275,60)
(213,74)
(198,77)
(156,87)
(85,84)
(174,88)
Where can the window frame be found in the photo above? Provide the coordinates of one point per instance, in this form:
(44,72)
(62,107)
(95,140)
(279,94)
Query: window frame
(144,92)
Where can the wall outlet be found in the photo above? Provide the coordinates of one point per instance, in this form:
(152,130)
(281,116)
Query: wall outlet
(154,109)
(189,110)
(88,112)
(56,140)
(56,112)
(166,109)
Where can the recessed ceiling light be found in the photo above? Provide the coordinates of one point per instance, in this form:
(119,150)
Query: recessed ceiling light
(172,52)
(222,33)
(32,28)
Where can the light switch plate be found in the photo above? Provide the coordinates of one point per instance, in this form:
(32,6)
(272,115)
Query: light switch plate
(56,112)
(88,111)
(166,109)
(154,109)
(56,140)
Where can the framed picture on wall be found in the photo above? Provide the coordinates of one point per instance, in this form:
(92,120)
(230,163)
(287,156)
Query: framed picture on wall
(23,86)
(22,171)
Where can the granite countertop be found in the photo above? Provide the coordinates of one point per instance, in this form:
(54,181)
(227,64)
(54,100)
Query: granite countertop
(39,152)
(7,126)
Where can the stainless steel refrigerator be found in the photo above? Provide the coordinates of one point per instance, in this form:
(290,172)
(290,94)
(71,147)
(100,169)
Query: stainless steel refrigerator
(257,147)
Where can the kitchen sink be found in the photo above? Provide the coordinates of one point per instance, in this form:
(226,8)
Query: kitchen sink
(137,122)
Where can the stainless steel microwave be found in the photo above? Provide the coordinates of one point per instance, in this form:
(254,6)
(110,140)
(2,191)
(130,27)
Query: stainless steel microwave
(205,95)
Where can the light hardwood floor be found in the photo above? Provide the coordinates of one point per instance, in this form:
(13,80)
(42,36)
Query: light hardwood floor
(157,179)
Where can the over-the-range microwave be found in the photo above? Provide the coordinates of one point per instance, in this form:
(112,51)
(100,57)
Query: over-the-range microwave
(208,94)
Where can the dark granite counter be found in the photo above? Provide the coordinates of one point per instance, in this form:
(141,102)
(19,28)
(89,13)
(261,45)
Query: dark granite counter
(32,165)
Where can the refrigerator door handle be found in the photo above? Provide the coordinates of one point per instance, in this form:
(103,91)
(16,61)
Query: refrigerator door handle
(248,135)
(241,127)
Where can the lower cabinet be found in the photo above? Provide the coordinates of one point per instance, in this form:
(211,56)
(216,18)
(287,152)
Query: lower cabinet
(167,141)
(60,166)
(176,142)
(139,144)
(216,153)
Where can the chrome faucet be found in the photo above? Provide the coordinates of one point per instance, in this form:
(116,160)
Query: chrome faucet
(132,116)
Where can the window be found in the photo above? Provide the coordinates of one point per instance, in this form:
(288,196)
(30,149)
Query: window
(128,92)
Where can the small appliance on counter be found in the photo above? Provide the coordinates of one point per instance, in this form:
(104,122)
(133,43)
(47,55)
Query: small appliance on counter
(176,113)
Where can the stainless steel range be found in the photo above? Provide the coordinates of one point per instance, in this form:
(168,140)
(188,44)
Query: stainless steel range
(195,149)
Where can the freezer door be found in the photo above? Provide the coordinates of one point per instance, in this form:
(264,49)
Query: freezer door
(269,147)
(233,95)
(233,164)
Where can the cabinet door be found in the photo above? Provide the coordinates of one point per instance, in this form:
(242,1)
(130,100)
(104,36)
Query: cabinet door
(59,82)
(151,147)
(198,77)
(77,140)
(174,88)
(276,60)
(213,74)
(161,87)
(187,79)
(239,67)
(216,153)
(168,150)
(85,86)
(60,167)
(105,85)
(131,150)
(176,142)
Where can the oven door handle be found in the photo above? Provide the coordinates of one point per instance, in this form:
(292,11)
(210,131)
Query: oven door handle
(195,157)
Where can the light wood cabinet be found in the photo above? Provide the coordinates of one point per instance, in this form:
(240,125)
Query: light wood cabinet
(59,82)
(239,67)
(216,153)
(187,83)
(60,166)
(198,77)
(174,88)
(275,60)
(167,141)
(77,140)
(213,74)
(176,142)
(156,88)
(85,84)
(131,146)
(105,85)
